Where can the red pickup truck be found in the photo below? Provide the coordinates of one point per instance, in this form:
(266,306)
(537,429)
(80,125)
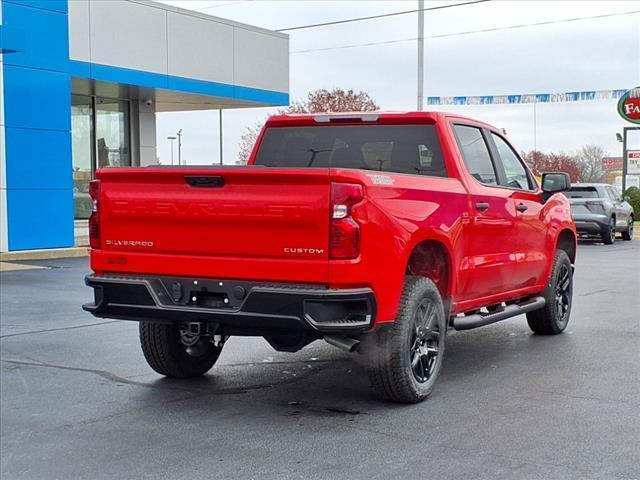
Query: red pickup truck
(376,232)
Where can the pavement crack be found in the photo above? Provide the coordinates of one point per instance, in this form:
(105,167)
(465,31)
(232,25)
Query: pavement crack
(203,390)
(33,332)
(594,292)
(585,397)
(292,362)
(101,373)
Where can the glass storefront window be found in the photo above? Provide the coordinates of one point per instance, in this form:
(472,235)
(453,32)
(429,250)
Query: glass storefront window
(112,133)
(100,138)
(82,151)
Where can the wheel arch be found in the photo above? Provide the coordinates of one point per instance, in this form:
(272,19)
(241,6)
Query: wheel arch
(567,241)
(431,259)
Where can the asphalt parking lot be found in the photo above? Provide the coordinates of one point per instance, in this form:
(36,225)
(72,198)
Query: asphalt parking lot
(78,400)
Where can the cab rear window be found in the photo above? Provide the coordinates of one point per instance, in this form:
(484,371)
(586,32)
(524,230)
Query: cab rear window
(413,149)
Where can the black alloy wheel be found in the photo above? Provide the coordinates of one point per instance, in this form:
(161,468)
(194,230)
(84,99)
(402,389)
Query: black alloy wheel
(553,318)
(424,342)
(563,294)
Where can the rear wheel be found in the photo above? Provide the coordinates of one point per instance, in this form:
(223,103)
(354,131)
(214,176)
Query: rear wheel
(628,233)
(176,353)
(405,360)
(609,234)
(554,316)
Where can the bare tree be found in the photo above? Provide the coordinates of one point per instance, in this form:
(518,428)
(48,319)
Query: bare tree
(590,158)
(336,100)
(247,140)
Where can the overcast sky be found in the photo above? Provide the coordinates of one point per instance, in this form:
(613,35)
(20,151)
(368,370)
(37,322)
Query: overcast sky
(590,54)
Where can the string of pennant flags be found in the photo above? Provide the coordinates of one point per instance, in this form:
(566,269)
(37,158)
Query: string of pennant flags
(589,95)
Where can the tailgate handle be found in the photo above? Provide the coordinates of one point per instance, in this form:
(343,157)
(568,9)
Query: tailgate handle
(205,181)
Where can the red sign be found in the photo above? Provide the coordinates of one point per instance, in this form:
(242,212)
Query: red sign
(612,163)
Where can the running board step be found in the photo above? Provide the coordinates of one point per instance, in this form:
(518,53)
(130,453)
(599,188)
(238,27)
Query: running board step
(480,320)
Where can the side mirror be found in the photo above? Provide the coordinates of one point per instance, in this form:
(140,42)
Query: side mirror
(626,198)
(554,182)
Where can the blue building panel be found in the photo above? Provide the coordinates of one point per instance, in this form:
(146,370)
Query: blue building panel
(36,98)
(37,93)
(261,96)
(190,85)
(127,76)
(42,34)
(43,159)
(40,219)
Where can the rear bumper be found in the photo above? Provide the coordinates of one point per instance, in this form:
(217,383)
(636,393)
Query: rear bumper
(236,306)
(591,224)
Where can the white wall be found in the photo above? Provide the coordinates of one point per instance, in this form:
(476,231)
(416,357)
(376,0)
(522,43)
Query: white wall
(4,244)
(162,39)
(147,133)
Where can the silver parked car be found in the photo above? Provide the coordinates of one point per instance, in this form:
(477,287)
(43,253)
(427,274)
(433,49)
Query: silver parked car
(598,210)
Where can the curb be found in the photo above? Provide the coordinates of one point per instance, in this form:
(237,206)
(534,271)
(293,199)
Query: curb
(48,254)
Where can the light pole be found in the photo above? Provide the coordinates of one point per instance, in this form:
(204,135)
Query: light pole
(420,55)
(172,139)
(179,134)
(220,133)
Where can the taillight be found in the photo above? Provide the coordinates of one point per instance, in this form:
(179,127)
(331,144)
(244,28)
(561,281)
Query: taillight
(345,232)
(94,220)
(595,207)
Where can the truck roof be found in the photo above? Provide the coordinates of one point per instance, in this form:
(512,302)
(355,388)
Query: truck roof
(391,116)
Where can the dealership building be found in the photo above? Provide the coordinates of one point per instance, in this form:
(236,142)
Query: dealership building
(81,82)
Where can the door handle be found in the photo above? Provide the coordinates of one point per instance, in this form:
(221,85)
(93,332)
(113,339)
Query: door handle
(521,207)
(482,206)
(205,181)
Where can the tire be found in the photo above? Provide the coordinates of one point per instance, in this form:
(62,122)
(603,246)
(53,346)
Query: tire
(609,235)
(417,337)
(628,233)
(166,352)
(554,316)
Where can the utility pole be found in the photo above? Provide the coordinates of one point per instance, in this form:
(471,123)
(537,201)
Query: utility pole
(220,133)
(624,159)
(179,134)
(535,126)
(172,139)
(420,55)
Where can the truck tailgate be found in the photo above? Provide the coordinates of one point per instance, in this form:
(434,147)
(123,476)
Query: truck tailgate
(234,222)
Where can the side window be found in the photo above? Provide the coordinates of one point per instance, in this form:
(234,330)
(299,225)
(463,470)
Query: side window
(475,154)
(514,170)
(613,194)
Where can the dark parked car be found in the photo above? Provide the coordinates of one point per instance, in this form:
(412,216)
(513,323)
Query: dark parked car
(599,211)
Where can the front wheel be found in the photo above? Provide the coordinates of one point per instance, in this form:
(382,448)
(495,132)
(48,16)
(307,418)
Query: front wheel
(554,316)
(404,361)
(176,353)
(628,233)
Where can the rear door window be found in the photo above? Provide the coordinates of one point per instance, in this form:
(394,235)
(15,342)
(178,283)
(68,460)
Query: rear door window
(413,149)
(475,154)
(515,172)
(613,194)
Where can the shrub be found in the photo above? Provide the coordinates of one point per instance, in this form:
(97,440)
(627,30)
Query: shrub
(634,199)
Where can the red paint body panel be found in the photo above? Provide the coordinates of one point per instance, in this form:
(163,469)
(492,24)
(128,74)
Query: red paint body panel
(272,224)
